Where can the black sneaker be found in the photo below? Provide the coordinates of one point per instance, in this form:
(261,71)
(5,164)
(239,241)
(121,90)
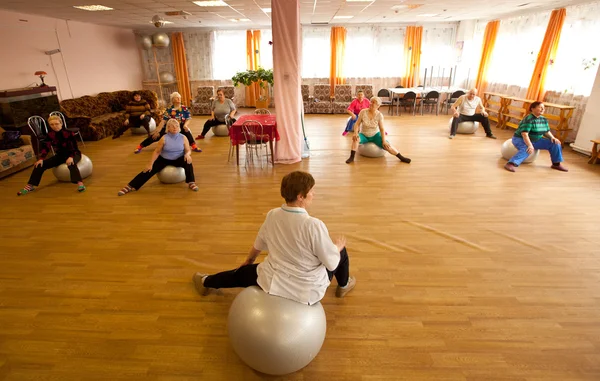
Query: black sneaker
(491,136)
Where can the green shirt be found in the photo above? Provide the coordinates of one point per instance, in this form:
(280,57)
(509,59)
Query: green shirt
(535,126)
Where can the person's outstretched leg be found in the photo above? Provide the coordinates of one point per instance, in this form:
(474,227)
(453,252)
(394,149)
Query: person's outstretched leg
(555,153)
(244,276)
(354,148)
(36,174)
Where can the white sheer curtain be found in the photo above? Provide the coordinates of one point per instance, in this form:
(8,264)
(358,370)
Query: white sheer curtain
(266,50)
(517,45)
(198,49)
(437,52)
(316,52)
(574,69)
(229,53)
(374,51)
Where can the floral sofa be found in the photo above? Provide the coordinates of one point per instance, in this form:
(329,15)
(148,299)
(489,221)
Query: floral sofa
(16,159)
(201,104)
(100,116)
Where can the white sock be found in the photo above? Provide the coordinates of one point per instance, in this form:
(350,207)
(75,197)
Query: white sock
(204,278)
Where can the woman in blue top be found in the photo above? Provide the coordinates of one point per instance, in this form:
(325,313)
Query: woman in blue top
(173,149)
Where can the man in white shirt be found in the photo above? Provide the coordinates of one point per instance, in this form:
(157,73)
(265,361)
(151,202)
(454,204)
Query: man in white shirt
(469,108)
(302,258)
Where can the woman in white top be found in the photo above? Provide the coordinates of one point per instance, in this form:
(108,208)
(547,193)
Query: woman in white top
(302,257)
(370,122)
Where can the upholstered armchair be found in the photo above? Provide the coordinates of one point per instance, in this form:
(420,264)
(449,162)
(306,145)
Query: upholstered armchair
(322,99)
(228,91)
(342,98)
(307,100)
(367,89)
(203,100)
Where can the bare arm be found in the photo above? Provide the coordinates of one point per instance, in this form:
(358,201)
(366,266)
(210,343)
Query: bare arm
(156,153)
(457,104)
(251,256)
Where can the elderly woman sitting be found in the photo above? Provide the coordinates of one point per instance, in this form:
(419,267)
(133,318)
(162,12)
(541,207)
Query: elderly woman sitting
(221,108)
(137,114)
(182,115)
(357,105)
(67,152)
(173,149)
(370,124)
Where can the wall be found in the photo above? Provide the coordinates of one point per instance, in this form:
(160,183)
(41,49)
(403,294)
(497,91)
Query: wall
(589,128)
(93,58)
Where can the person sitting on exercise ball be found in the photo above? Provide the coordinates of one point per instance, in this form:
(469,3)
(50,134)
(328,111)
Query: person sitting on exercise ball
(302,257)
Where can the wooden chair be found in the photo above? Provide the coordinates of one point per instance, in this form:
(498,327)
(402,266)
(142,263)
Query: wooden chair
(595,157)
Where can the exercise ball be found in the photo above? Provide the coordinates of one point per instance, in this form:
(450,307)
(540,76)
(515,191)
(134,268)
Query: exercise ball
(370,150)
(509,150)
(85,169)
(160,40)
(146,42)
(274,335)
(464,127)
(141,130)
(171,175)
(220,130)
(166,77)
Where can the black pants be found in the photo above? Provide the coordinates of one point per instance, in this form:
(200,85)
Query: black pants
(215,122)
(149,140)
(59,158)
(135,121)
(246,276)
(485,122)
(158,166)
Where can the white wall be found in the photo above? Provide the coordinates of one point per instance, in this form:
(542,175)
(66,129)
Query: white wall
(93,58)
(590,122)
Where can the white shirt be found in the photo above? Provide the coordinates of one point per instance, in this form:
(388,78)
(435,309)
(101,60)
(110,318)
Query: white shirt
(468,107)
(370,126)
(300,250)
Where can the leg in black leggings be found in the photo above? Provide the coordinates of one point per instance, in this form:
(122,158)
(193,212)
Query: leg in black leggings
(208,125)
(159,164)
(244,276)
(149,140)
(342,272)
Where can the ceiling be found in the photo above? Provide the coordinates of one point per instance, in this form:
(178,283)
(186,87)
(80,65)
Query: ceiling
(136,14)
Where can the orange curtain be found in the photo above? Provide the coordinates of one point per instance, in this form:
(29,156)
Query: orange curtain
(181,70)
(338,49)
(489,40)
(252,63)
(412,56)
(546,55)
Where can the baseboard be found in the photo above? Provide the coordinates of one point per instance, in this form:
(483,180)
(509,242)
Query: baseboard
(581,150)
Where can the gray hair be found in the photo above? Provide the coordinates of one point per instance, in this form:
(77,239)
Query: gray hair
(175,94)
(376,100)
(173,121)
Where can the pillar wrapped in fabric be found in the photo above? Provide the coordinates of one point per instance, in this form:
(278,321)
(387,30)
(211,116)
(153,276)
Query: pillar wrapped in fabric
(286,72)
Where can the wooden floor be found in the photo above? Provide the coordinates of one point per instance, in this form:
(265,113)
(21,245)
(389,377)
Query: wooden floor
(465,271)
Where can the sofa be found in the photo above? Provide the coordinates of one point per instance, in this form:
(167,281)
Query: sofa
(201,104)
(100,116)
(15,159)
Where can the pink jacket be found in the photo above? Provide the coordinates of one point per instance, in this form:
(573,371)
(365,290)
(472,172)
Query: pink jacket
(356,106)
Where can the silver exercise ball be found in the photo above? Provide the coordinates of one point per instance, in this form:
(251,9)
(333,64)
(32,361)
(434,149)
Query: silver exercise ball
(274,335)
(166,77)
(370,150)
(220,130)
(85,169)
(141,130)
(146,42)
(509,150)
(160,40)
(464,127)
(171,175)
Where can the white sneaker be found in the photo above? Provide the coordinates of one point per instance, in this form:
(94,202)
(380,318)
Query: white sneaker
(198,280)
(340,292)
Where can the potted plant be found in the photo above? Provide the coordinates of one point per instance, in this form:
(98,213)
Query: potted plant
(263,77)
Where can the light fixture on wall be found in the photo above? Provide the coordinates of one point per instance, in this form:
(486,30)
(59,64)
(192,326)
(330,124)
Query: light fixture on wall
(41,74)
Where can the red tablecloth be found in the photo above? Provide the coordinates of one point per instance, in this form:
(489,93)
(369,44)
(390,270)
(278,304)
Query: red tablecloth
(268,122)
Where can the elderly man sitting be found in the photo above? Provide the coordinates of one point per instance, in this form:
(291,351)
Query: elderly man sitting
(465,110)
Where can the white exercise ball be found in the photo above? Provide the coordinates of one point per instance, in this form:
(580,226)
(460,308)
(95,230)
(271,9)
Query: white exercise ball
(171,175)
(274,335)
(142,131)
(62,172)
(370,150)
(220,130)
(509,150)
(464,127)
(166,77)
(160,40)
(146,42)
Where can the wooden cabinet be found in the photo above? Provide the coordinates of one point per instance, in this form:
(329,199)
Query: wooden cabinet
(17,105)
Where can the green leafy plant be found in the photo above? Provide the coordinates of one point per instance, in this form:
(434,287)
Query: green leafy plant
(588,63)
(261,76)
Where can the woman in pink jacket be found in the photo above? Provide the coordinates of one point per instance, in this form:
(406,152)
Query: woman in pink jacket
(359,103)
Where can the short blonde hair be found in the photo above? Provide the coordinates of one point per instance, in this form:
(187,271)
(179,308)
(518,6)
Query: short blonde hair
(376,100)
(55,117)
(175,94)
(173,121)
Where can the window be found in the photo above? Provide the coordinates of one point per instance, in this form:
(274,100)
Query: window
(437,53)
(374,52)
(229,54)
(266,50)
(316,52)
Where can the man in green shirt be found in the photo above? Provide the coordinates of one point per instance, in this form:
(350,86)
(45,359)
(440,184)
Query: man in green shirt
(531,135)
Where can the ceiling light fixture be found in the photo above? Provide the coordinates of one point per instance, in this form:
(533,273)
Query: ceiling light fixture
(210,3)
(245,20)
(266,10)
(93,8)
(342,17)
(359,1)
(162,21)
(428,15)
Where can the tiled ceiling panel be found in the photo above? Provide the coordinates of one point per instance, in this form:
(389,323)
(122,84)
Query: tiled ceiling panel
(137,14)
